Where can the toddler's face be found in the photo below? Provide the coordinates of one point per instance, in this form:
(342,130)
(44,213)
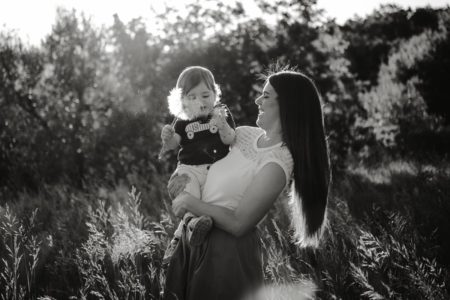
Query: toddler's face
(199,101)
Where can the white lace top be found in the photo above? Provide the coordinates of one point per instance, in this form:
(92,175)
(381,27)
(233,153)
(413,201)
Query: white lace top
(229,177)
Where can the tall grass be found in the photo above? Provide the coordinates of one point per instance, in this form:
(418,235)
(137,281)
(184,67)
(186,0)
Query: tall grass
(387,239)
(21,250)
(122,257)
(100,247)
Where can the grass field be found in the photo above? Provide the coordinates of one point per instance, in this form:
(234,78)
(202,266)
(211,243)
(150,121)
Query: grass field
(387,238)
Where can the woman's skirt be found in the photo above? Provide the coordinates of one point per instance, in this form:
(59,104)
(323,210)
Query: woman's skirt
(224,267)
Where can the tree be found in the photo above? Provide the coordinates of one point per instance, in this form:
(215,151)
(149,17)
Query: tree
(396,107)
(372,38)
(22,123)
(434,70)
(71,90)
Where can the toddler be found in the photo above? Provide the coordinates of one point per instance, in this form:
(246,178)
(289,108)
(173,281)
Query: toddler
(203,129)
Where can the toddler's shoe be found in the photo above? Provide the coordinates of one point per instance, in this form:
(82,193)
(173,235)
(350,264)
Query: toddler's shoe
(198,228)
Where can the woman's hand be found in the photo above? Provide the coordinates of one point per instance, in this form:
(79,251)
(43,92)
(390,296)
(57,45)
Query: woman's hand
(178,207)
(186,202)
(177,183)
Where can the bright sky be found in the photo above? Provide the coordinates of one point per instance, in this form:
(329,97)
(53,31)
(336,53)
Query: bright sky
(32,19)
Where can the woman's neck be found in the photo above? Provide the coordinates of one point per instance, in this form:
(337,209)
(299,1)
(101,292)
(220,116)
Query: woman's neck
(270,138)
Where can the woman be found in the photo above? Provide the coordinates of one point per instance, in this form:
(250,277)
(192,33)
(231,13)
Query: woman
(289,143)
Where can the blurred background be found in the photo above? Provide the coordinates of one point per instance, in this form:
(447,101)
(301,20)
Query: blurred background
(83,204)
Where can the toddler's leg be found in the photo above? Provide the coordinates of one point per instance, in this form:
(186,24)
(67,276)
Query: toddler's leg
(173,243)
(197,228)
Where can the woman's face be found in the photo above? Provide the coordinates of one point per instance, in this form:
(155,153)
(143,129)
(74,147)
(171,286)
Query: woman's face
(268,108)
(199,101)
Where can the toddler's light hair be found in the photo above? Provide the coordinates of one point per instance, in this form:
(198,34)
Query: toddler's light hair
(189,79)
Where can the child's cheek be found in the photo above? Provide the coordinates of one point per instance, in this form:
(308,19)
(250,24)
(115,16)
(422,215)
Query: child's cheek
(209,102)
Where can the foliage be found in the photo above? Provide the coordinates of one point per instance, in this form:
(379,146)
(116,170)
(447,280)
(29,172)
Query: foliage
(396,107)
(372,38)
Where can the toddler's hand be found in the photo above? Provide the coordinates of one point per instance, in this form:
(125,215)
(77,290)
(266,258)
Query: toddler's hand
(167,133)
(219,118)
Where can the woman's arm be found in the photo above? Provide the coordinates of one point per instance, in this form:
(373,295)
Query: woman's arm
(258,199)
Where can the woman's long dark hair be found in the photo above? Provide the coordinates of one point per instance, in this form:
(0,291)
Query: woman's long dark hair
(304,134)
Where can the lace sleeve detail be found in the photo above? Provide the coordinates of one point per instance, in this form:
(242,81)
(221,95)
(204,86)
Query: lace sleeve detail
(245,138)
(281,156)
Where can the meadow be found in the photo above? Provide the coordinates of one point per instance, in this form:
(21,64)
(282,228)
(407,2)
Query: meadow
(386,238)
